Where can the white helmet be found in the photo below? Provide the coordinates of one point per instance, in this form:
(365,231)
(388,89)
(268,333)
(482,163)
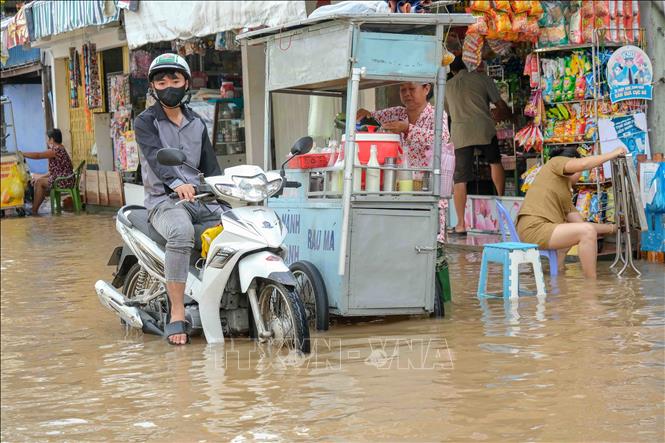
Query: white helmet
(169,62)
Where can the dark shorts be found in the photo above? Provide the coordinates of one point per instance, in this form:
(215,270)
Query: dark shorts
(464,160)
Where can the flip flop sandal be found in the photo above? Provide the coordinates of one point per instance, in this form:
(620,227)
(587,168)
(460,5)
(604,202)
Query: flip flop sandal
(456,233)
(175,328)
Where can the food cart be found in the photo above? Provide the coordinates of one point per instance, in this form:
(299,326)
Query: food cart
(13,172)
(362,253)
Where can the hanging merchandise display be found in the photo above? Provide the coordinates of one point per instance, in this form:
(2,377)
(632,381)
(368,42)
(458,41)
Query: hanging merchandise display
(140,63)
(93,87)
(126,159)
(118,92)
(74,78)
(188,47)
(226,41)
(578,71)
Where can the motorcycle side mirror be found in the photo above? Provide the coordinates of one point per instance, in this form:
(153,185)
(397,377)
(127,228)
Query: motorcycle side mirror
(302,146)
(171,157)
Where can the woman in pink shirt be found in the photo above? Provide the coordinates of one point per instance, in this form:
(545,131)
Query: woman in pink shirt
(415,123)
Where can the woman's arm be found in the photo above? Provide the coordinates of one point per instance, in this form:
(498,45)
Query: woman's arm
(582,164)
(39,155)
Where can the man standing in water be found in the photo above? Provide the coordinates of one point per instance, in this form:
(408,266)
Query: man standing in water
(467,101)
(170,123)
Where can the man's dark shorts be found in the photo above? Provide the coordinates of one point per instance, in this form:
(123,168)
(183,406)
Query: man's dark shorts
(464,160)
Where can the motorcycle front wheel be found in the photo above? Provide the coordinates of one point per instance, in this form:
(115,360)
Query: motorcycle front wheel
(284,316)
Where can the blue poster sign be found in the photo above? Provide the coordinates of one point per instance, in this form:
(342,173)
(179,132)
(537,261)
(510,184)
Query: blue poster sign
(629,75)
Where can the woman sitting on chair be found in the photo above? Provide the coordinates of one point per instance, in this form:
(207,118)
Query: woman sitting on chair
(59,165)
(548,217)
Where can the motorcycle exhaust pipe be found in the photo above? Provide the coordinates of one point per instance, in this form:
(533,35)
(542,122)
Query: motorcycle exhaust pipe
(113,300)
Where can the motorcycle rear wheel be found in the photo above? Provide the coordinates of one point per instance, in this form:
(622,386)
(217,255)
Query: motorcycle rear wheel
(133,284)
(284,315)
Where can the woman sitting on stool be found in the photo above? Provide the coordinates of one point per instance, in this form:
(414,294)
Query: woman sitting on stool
(548,217)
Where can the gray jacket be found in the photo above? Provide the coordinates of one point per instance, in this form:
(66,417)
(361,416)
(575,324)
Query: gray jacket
(155,131)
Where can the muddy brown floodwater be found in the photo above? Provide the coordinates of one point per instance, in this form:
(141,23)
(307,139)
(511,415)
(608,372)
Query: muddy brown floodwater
(586,363)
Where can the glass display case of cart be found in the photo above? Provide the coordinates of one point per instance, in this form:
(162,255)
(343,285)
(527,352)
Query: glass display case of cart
(229,128)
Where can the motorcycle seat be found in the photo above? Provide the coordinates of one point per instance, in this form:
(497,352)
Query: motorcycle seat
(137,216)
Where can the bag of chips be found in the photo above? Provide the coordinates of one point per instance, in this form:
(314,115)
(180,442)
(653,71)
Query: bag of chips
(472,50)
(502,22)
(536,9)
(520,6)
(480,26)
(502,5)
(480,5)
(520,22)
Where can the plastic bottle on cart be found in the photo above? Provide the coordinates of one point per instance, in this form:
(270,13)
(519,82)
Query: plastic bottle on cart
(389,175)
(373,176)
(337,175)
(357,172)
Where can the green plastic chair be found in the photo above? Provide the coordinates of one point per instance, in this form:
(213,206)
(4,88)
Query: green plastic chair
(57,192)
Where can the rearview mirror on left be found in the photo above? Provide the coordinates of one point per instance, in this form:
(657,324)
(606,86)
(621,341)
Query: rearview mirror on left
(171,157)
(302,146)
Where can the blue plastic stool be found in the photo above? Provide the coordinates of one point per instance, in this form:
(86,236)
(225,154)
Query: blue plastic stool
(510,255)
(508,227)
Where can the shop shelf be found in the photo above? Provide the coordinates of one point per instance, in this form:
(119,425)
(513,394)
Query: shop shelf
(580,46)
(588,142)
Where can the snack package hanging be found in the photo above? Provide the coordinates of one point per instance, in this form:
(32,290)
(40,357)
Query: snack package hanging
(502,5)
(499,47)
(532,31)
(520,22)
(575,29)
(480,27)
(534,104)
(502,23)
(520,6)
(481,5)
(536,9)
(472,50)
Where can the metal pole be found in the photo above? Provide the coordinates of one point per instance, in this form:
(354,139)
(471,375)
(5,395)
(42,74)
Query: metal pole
(438,130)
(628,216)
(349,156)
(267,115)
(617,214)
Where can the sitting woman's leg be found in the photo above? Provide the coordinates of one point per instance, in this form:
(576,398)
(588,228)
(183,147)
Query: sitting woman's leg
(584,235)
(41,189)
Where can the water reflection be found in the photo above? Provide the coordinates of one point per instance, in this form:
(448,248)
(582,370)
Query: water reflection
(584,362)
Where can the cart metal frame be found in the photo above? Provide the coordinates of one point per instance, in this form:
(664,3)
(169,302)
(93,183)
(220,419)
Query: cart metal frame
(376,252)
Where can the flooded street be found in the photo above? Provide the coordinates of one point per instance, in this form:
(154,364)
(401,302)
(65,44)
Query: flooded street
(584,364)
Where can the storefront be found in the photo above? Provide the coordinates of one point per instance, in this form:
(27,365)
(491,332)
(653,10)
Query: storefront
(549,60)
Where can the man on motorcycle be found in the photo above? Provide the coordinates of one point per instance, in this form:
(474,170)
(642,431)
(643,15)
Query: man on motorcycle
(170,123)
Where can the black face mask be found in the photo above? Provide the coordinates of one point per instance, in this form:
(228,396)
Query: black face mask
(171,97)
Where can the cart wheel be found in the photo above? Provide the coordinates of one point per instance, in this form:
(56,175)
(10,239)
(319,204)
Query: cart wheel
(439,310)
(312,291)
(20,212)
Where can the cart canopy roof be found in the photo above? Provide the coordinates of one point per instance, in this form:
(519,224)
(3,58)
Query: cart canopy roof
(392,22)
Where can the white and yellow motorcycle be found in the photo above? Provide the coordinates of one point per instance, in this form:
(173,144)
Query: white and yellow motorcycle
(242,286)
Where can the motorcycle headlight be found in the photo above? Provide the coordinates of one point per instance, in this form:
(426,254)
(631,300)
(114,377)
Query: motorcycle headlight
(274,186)
(251,189)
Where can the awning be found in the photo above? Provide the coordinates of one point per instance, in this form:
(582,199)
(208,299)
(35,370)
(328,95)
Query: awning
(157,21)
(19,56)
(52,17)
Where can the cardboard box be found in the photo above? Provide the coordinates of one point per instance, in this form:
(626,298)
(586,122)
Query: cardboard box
(103,191)
(92,187)
(114,186)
